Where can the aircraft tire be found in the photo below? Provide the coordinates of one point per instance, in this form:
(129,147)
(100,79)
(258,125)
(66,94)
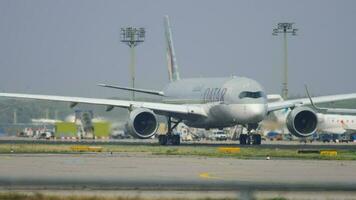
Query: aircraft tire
(256,138)
(243,138)
(248,139)
(162,139)
(176,140)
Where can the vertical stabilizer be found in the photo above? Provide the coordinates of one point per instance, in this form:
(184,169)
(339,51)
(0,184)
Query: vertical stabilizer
(171,57)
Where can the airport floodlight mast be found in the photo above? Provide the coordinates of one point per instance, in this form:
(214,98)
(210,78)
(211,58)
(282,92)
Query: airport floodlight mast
(285,28)
(132,37)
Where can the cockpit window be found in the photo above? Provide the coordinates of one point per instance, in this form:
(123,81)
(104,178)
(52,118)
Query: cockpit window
(253,95)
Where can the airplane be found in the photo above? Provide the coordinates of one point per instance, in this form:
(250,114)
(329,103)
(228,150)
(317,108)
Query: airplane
(203,103)
(330,120)
(337,124)
(327,123)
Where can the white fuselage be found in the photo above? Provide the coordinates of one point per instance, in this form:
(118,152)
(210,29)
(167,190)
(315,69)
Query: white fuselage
(337,124)
(226,101)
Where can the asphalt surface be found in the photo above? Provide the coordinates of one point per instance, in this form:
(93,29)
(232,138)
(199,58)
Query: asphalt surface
(120,171)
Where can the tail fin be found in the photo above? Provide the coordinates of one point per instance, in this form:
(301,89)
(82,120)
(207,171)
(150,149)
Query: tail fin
(171,57)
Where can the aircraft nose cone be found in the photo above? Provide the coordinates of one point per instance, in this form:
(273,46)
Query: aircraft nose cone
(256,111)
(250,113)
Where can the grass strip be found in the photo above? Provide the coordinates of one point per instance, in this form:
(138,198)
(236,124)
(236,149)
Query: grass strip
(245,153)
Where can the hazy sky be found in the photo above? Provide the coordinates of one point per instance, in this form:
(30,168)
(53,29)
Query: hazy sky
(66,47)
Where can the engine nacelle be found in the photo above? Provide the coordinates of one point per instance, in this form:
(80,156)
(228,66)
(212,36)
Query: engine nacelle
(142,123)
(302,122)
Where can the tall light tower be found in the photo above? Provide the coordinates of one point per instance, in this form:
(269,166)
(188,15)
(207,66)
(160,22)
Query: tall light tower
(285,28)
(15,116)
(132,37)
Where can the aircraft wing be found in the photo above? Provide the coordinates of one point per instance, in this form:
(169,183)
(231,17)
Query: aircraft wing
(350,131)
(162,108)
(306,101)
(153,92)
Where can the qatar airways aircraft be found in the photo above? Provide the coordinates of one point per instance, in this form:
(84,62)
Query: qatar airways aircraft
(203,103)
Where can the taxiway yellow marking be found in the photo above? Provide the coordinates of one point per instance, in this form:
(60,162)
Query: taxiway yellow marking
(328,153)
(230,150)
(206,175)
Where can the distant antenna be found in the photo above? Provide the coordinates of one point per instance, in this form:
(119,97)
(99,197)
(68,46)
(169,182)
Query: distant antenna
(132,37)
(285,28)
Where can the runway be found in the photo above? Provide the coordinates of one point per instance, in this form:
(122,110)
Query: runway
(144,171)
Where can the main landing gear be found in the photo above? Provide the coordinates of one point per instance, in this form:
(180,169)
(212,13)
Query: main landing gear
(170,138)
(251,137)
(246,139)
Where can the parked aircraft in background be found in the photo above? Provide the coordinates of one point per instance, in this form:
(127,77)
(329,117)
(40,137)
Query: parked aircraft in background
(327,123)
(337,124)
(332,121)
(203,103)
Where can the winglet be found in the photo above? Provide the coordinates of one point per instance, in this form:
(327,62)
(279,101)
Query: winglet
(308,94)
(312,103)
(326,110)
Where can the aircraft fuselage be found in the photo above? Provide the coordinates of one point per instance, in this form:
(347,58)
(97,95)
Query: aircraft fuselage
(227,101)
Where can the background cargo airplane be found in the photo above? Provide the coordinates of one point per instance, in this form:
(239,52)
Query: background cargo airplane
(203,103)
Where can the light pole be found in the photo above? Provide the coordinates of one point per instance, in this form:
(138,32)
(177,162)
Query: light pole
(132,37)
(15,116)
(285,28)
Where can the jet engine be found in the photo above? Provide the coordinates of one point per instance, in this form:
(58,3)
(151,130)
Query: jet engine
(302,122)
(142,123)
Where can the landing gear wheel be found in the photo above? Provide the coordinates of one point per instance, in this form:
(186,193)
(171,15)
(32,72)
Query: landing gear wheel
(256,139)
(248,139)
(170,138)
(175,139)
(162,139)
(243,139)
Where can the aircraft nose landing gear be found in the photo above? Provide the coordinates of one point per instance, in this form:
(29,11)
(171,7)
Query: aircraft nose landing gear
(247,139)
(251,137)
